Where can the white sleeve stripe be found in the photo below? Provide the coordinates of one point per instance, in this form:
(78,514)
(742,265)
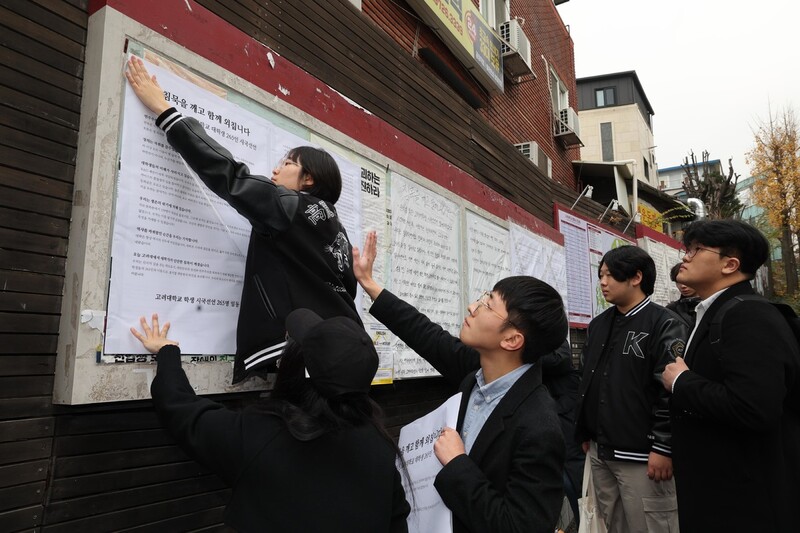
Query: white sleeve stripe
(171,122)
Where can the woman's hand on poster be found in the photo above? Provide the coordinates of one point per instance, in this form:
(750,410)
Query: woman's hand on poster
(146,86)
(154,338)
(363,262)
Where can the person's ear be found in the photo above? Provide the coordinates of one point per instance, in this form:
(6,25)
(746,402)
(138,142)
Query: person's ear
(636,280)
(731,265)
(514,340)
(308,180)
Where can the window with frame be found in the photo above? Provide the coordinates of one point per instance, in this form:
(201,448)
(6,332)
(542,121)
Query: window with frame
(559,93)
(495,12)
(605,96)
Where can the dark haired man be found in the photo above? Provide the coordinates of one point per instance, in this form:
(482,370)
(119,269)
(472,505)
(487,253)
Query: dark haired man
(683,306)
(623,416)
(502,465)
(735,409)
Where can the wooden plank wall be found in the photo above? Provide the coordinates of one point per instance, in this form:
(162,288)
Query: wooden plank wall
(41,69)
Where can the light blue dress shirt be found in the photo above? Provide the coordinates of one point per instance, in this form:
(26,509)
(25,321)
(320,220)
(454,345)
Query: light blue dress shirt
(482,401)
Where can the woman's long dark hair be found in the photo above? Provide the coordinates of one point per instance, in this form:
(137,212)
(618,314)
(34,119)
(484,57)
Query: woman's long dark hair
(308,414)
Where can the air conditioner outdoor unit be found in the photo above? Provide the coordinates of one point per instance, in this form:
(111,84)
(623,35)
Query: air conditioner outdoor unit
(568,119)
(567,127)
(516,49)
(531,150)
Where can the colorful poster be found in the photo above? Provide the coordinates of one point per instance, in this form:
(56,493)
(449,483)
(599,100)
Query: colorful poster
(585,244)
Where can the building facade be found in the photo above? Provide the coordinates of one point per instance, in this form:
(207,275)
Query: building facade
(618,157)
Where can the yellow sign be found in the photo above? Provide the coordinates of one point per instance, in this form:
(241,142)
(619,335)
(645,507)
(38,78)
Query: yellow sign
(462,28)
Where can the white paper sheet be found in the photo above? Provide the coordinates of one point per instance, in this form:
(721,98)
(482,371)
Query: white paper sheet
(428,512)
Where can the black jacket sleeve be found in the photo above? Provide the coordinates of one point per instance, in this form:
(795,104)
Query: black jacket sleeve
(205,430)
(669,343)
(448,355)
(268,207)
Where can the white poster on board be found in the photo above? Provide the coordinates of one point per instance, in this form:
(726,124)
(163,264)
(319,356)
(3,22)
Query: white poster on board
(425,263)
(375,209)
(585,245)
(487,255)
(537,256)
(177,248)
(665,257)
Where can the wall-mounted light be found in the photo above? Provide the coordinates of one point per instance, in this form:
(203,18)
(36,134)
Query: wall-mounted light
(587,192)
(614,206)
(636,218)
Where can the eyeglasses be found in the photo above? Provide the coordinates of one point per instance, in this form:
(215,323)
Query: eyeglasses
(287,162)
(690,252)
(483,301)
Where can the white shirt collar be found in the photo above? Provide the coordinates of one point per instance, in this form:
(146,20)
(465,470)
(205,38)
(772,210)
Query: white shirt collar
(700,312)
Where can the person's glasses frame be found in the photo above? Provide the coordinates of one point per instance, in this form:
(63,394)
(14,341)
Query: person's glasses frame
(483,301)
(690,252)
(285,162)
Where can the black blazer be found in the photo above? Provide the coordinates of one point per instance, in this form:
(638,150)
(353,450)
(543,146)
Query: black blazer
(736,447)
(511,481)
(343,481)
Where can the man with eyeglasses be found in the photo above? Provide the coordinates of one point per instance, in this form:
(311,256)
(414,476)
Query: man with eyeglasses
(623,415)
(734,405)
(502,465)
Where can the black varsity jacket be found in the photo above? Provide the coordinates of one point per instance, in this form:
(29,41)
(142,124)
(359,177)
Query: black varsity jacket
(633,414)
(299,253)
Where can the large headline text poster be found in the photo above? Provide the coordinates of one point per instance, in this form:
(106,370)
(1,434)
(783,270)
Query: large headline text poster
(537,256)
(375,210)
(665,257)
(487,255)
(177,248)
(425,265)
(585,244)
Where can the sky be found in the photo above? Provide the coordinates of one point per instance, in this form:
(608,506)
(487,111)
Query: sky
(711,69)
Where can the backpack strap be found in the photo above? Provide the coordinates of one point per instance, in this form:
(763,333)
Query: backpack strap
(715,328)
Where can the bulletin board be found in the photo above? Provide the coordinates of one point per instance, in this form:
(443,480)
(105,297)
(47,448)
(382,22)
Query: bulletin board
(152,238)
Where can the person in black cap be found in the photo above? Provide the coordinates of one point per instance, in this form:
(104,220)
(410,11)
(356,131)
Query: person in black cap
(315,456)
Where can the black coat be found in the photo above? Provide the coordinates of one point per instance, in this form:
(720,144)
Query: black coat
(343,481)
(511,481)
(736,446)
(299,253)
